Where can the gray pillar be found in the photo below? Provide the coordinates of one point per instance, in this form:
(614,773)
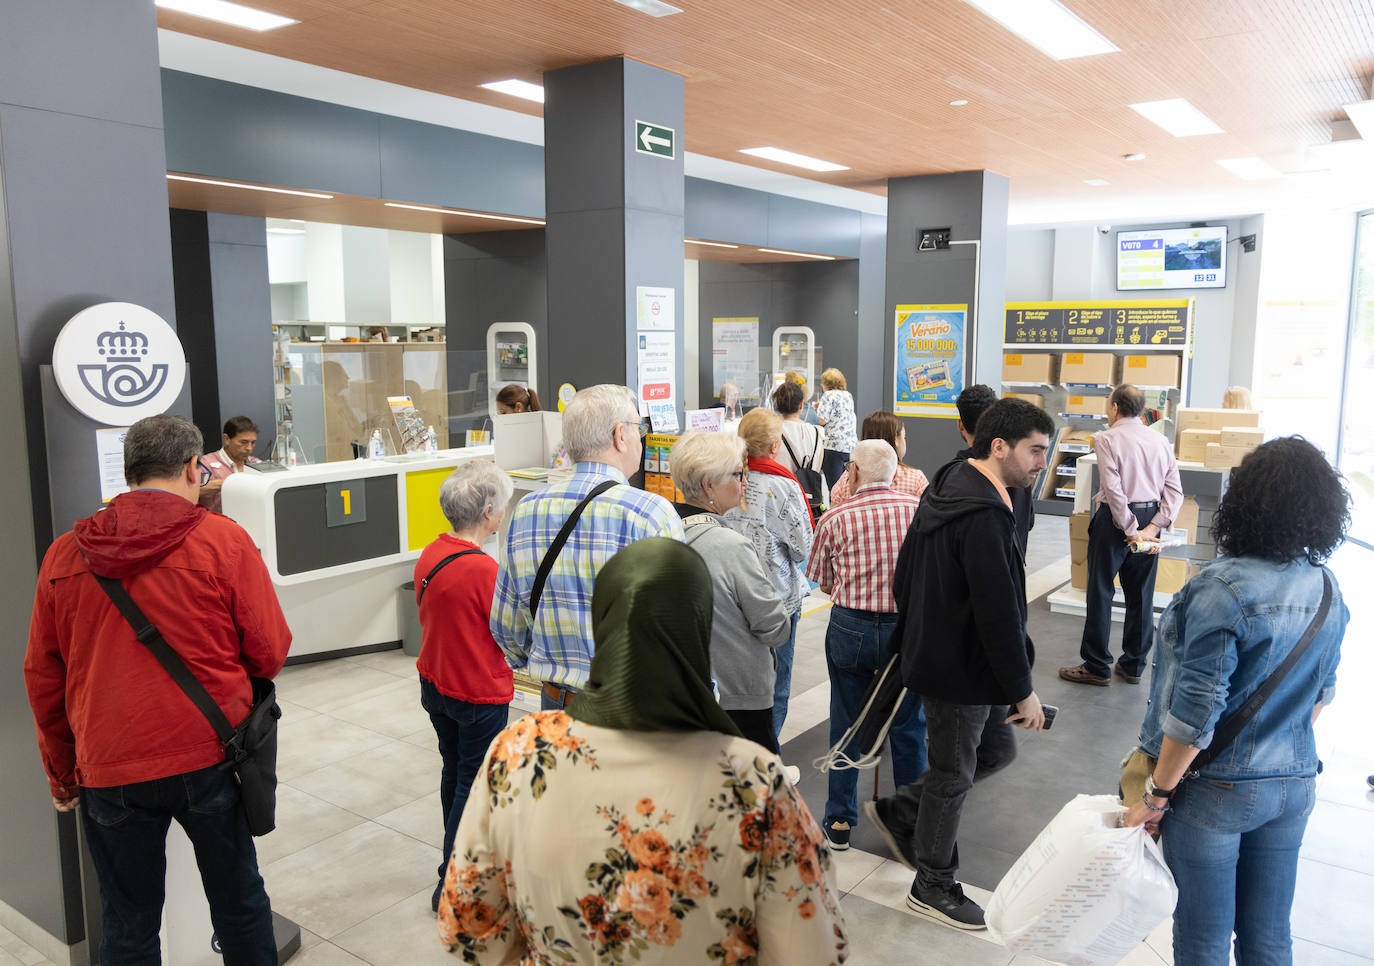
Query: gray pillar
(615,216)
(973,204)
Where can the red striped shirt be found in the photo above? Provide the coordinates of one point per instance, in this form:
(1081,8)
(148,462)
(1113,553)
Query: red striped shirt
(855,548)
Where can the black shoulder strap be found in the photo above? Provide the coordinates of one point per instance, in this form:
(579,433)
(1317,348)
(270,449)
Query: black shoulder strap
(438,567)
(151,638)
(1228,730)
(555,548)
(793,453)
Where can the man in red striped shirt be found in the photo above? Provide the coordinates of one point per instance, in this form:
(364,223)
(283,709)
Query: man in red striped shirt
(853,555)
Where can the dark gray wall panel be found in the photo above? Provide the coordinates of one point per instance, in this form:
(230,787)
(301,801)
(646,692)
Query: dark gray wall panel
(196,317)
(584,138)
(586,291)
(242,322)
(652,183)
(798,225)
(435,165)
(723,212)
(305,541)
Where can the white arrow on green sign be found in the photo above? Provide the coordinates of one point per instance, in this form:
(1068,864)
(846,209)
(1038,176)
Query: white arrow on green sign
(654,139)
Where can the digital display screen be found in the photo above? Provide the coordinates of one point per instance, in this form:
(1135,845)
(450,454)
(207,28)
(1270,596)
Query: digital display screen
(1165,258)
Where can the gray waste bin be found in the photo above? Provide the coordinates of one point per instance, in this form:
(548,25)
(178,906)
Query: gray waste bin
(410,619)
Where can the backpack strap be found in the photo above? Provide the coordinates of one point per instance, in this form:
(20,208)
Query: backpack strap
(438,567)
(555,548)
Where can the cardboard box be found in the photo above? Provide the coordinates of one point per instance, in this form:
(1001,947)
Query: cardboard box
(1078,549)
(1250,436)
(1037,367)
(1192,444)
(1190,417)
(1172,573)
(1034,399)
(1225,457)
(1094,368)
(1086,405)
(1187,518)
(1156,369)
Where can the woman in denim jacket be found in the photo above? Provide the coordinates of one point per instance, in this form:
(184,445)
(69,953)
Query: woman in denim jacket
(1231,834)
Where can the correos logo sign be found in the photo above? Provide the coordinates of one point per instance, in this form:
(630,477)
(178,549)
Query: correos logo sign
(117,363)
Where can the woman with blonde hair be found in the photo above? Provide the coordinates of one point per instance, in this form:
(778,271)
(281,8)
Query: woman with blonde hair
(888,427)
(775,519)
(835,412)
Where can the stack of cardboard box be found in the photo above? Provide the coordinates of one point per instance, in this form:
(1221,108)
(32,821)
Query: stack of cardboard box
(1030,367)
(1170,574)
(1218,438)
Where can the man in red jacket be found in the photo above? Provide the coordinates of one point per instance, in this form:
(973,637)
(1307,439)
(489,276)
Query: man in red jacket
(115,728)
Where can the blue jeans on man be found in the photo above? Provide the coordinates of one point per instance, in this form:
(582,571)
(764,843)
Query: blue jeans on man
(856,650)
(465,731)
(1233,850)
(126,831)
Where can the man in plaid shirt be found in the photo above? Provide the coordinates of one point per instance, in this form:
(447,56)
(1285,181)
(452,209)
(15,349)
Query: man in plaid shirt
(601,434)
(852,557)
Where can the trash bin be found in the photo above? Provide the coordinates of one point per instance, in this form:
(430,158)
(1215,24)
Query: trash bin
(410,619)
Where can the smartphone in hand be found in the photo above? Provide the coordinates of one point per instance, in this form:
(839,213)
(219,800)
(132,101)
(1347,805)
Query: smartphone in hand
(1050,711)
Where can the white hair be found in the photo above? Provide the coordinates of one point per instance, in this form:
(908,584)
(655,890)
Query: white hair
(590,420)
(877,461)
(470,489)
(698,457)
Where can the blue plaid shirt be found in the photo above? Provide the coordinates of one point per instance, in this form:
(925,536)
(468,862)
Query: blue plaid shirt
(558,646)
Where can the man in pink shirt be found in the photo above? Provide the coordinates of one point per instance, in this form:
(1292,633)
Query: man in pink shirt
(1140,495)
(240,436)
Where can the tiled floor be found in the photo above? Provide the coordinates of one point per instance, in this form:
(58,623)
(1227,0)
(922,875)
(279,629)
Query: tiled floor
(354,856)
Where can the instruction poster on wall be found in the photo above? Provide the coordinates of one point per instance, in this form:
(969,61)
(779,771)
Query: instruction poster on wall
(735,356)
(109,454)
(930,359)
(657,359)
(654,307)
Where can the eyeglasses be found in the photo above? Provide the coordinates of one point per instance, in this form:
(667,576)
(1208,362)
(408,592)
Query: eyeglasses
(740,475)
(204,474)
(638,425)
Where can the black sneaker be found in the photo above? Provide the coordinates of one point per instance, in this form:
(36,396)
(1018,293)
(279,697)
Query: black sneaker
(837,834)
(947,906)
(897,837)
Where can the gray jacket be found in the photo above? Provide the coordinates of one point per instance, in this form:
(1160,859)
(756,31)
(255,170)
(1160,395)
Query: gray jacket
(747,616)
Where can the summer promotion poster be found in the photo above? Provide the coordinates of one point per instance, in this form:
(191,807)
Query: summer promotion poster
(930,359)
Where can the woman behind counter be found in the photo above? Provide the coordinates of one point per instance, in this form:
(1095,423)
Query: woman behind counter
(1231,834)
(637,826)
(516,398)
(465,684)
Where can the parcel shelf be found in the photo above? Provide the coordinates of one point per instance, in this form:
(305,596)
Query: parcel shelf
(1064,469)
(1087,417)
(1079,448)
(1065,492)
(1086,387)
(1030,385)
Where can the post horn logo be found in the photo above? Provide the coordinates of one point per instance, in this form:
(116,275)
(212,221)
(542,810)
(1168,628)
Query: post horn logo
(118,362)
(119,380)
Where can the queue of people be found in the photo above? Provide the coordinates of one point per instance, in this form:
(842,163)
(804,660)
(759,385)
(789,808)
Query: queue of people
(662,637)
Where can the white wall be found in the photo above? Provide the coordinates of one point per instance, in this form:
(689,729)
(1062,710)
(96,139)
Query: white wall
(413,287)
(324,269)
(1030,265)
(691,347)
(367,281)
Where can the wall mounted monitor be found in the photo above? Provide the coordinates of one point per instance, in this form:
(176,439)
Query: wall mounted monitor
(1164,258)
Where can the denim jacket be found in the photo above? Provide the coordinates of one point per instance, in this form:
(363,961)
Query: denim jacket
(1222,636)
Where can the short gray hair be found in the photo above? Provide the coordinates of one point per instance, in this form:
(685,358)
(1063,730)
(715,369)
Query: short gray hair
(467,492)
(877,461)
(698,457)
(158,447)
(590,420)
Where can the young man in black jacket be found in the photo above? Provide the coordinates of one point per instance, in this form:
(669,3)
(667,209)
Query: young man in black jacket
(960,586)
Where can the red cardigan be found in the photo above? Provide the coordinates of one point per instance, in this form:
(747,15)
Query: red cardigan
(457,652)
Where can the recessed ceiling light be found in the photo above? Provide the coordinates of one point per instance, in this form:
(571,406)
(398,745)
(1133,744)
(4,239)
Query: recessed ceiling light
(1250,169)
(959,103)
(1096,182)
(465,214)
(780,251)
(654,8)
(1048,25)
(518,88)
(235,14)
(695,241)
(286,231)
(1177,116)
(296,221)
(791,157)
(1133,157)
(249,187)
(1361,114)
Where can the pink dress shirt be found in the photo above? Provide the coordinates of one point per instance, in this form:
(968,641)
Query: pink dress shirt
(1136,465)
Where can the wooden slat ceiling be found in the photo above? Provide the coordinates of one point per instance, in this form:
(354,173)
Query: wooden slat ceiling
(868,85)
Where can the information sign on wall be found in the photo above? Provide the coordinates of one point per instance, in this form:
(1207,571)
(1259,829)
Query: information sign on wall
(735,356)
(118,362)
(654,139)
(1141,322)
(930,359)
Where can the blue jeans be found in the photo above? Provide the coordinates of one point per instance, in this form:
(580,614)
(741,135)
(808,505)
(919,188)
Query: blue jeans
(782,682)
(465,731)
(856,649)
(1233,850)
(126,830)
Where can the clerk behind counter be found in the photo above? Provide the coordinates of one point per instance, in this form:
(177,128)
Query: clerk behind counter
(240,436)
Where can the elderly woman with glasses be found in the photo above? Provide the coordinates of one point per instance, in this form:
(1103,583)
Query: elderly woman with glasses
(748,619)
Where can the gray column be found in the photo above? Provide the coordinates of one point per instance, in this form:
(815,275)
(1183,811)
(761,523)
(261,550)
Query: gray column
(615,216)
(973,204)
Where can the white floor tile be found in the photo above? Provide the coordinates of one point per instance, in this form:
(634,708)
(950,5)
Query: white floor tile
(394,713)
(402,935)
(302,820)
(394,661)
(377,781)
(307,744)
(852,866)
(324,685)
(422,819)
(325,954)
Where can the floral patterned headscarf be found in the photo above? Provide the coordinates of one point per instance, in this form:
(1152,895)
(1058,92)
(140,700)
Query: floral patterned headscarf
(651,618)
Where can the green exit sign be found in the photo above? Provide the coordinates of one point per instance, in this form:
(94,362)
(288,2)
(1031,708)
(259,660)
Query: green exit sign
(654,139)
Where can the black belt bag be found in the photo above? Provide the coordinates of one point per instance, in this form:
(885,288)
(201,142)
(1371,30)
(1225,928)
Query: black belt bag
(250,750)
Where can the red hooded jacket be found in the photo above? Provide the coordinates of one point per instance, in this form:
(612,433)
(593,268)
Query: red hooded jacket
(107,713)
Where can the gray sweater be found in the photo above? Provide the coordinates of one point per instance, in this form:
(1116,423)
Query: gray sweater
(747,615)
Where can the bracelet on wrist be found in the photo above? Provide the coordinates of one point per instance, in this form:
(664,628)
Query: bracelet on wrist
(1161,809)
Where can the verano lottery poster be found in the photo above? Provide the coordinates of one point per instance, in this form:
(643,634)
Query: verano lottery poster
(930,359)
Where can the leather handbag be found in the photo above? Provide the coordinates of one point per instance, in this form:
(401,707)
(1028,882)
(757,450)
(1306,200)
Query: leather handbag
(1137,766)
(250,750)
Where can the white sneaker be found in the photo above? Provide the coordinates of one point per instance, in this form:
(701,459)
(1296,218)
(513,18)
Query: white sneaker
(792,772)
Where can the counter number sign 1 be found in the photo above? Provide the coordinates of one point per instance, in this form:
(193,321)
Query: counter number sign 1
(118,362)
(655,139)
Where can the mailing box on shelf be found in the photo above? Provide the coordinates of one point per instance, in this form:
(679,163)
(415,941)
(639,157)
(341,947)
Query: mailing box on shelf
(1094,368)
(1172,573)
(1078,550)
(1192,444)
(1187,518)
(1191,417)
(1220,456)
(1250,436)
(1086,405)
(1035,399)
(1032,367)
(1155,369)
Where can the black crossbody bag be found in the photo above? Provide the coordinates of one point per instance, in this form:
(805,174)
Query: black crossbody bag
(250,750)
(438,567)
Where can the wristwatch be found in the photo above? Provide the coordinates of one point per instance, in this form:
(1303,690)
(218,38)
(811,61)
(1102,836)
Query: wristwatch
(1154,791)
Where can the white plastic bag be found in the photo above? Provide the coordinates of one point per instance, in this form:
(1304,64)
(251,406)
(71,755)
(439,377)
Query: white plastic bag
(1086,892)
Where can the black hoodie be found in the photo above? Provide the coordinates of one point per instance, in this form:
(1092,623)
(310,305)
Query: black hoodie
(1022,505)
(960,584)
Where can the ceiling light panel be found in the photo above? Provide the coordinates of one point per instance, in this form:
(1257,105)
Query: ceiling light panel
(518,88)
(1250,169)
(1177,116)
(248,187)
(697,241)
(465,214)
(654,8)
(1361,114)
(1048,25)
(792,158)
(1096,182)
(234,14)
(783,251)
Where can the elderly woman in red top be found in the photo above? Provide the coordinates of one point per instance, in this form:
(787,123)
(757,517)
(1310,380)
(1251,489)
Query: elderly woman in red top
(465,684)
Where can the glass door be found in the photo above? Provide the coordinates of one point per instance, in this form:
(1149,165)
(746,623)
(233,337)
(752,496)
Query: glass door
(1356,457)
